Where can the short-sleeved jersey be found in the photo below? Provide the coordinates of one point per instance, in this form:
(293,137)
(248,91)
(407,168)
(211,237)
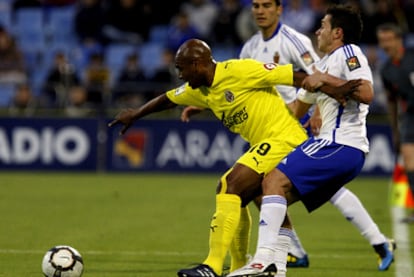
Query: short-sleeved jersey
(398,78)
(291,46)
(243,97)
(343,125)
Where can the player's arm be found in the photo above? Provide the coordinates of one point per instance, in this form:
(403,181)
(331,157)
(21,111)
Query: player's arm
(359,90)
(300,108)
(128,116)
(336,88)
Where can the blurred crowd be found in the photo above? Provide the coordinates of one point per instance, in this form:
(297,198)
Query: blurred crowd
(84,57)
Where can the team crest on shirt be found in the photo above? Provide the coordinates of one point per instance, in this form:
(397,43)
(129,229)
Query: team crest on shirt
(307,58)
(353,63)
(270,66)
(229,96)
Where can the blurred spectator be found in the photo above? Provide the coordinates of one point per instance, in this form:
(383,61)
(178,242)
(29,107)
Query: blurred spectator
(23,102)
(408,8)
(224,30)
(245,25)
(386,11)
(88,21)
(12,66)
(180,30)
(19,4)
(127,89)
(379,104)
(77,102)
(202,14)
(166,73)
(165,76)
(61,77)
(128,21)
(165,10)
(96,80)
(299,16)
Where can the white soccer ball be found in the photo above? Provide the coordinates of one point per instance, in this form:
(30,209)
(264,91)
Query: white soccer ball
(62,261)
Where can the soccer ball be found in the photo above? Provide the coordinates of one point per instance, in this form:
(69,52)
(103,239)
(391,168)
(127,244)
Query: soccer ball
(62,261)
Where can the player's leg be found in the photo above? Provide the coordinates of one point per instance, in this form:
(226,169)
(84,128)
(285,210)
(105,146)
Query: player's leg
(314,190)
(234,191)
(239,246)
(353,210)
(297,256)
(271,249)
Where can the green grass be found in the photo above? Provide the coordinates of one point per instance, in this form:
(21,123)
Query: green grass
(151,225)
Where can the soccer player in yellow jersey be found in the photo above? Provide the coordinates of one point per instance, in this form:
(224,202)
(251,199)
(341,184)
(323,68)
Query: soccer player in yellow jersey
(242,95)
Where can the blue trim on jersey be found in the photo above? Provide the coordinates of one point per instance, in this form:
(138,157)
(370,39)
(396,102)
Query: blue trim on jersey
(279,25)
(349,51)
(285,232)
(344,49)
(274,199)
(296,42)
(338,120)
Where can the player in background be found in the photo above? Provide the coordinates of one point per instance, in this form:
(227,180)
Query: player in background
(278,42)
(242,95)
(398,77)
(340,148)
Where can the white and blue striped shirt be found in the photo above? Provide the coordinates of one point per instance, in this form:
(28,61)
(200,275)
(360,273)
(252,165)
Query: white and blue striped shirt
(343,125)
(292,47)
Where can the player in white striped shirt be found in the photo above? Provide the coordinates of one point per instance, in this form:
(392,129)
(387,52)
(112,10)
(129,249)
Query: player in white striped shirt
(317,170)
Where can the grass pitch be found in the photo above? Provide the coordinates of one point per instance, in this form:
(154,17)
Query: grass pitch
(151,225)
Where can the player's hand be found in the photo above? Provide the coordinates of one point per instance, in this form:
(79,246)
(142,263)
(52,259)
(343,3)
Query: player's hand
(189,112)
(315,123)
(126,117)
(314,81)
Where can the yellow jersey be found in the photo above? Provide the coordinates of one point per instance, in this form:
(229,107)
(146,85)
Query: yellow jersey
(243,97)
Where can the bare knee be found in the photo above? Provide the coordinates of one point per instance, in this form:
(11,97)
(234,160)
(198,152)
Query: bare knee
(276,183)
(242,181)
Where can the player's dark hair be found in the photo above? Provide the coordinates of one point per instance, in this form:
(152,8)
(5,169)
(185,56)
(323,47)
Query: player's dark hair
(391,27)
(349,20)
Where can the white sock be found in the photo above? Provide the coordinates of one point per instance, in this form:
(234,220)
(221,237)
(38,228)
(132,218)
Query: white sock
(353,210)
(296,247)
(272,214)
(282,248)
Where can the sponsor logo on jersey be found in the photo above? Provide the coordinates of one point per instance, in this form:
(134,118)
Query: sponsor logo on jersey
(353,63)
(179,90)
(270,66)
(229,96)
(235,119)
(307,58)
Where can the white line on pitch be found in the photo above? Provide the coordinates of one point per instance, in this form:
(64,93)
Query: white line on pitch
(403,260)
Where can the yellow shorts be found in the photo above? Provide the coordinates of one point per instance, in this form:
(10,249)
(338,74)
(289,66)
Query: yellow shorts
(265,155)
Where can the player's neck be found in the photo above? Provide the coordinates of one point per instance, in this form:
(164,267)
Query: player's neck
(268,32)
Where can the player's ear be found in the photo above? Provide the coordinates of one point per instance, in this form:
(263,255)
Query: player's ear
(337,32)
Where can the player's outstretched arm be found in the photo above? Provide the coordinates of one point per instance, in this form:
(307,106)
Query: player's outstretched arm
(128,116)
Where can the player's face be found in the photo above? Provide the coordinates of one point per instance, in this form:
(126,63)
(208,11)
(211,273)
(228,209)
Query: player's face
(324,35)
(390,43)
(188,72)
(266,13)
